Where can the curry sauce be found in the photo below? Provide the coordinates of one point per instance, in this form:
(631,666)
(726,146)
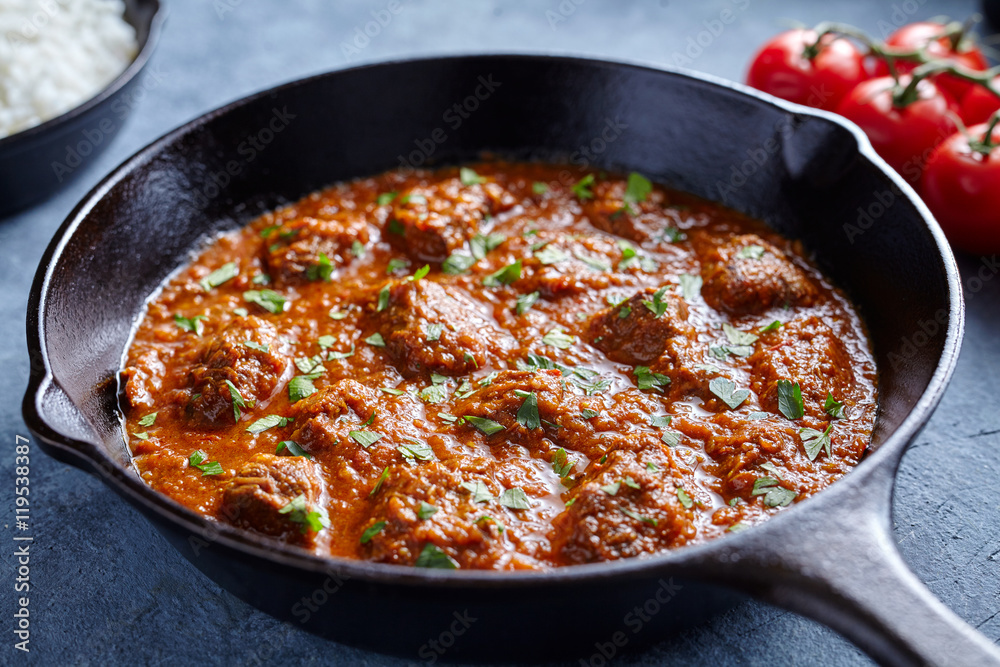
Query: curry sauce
(503,366)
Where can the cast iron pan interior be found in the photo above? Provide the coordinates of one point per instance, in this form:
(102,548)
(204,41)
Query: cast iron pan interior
(804,172)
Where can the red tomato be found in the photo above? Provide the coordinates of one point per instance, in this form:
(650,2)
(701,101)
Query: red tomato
(979,104)
(928,34)
(961,186)
(782,69)
(904,137)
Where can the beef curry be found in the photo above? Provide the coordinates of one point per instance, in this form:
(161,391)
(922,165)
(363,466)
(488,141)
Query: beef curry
(500,366)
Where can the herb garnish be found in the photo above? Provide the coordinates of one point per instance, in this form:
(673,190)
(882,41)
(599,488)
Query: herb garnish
(314,520)
(774,495)
(647,379)
(504,276)
(751,252)
(433,557)
(684,498)
(426,510)
(378,483)
(638,517)
(457,263)
(267,299)
(487,426)
(657,306)
(515,498)
(814,441)
(376,528)
(375,340)
(833,407)
(558,338)
(480,244)
(527,414)
(726,390)
(294,448)
(149,419)
(582,187)
(637,189)
(470,177)
(539,188)
(561,465)
(480,492)
(225,272)
(386,198)
(198,460)
(525,302)
(690,285)
(237,400)
(192,324)
(300,387)
(268,422)
(790,400)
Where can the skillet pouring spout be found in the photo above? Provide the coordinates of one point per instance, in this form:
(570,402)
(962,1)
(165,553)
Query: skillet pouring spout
(829,557)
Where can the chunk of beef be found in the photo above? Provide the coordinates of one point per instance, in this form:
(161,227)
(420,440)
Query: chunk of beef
(609,518)
(806,351)
(319,418)
(569,266)
(255,370)
(607,210)
(634,333)
(255,497)
(430,222)
(456,526)
(747,275)
(431,328)
(296,250)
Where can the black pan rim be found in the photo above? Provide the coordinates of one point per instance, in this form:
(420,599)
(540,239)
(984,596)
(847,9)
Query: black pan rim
(887,456)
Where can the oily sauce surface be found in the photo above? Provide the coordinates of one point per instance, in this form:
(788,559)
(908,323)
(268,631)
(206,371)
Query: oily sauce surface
(588,369)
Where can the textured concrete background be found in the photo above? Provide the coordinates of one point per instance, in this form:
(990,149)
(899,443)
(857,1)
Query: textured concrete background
(106,588)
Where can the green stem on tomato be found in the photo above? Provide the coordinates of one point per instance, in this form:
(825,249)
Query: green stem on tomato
(986,145)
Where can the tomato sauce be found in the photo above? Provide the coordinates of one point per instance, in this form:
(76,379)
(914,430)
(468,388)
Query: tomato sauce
(503,366)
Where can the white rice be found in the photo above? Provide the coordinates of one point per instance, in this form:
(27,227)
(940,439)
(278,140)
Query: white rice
(56,55)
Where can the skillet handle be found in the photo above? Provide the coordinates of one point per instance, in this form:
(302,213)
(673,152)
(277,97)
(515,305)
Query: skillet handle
(845,571)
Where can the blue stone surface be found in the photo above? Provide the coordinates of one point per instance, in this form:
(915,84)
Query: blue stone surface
(107,589)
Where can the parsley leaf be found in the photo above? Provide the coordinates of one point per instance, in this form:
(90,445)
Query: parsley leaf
(559,338)
(192,324)
(561,465)
(657,306)
(684,498)
(315,520)
(426,510)
(592,262)
(737,337)
(814,441)
(375,340)
(726,390)
(433,557)
(255,346)
(515,498)
(751,252)
(647,379)
(480,492)
(267,299)
(587,413)
(833,407)
(268,422)
(434,330)
(612,489)
(671,438)
(525,302)
(690,285)
(550,255)
(386,198)
(504,276)
(383,299)
(376,528)
(487,426)
(582,187)
(225,272)
(457,263)
(365,438)
(539,188)
(470,177)
(417,450)
(480,244)
(527,414)
(637,189)
(300,387)
(378,483)
(774,495)
(638,517)
(198,460)
(294,448)
(324,269)
(773,326)
(237,400)
(790,400)
(149,419)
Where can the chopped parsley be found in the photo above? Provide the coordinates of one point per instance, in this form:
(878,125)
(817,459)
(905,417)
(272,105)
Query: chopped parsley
(587,413)
(515,499)
(192,324)
(300,387)
(657,305)
(396,227)
(458,263)
(690,285)
(612,489)
(558,338)
(433,557)
(550,255)
(487,426)
(383,299)
(832,406)
(527,414)
(198,460)
(268,422)
(376,528)
(149,419)
(773,326)
(378,483)
(671,438)
(684,498)
(504,276)
(470,177)
(414,449)
(647,379)
(222,274)
(539,188)
(727,392)
(561,465)
(396,265)
(582,187)
(481,244)
(237,400)
(426,510)
(480,492)
(592,262)
(267,299)
(365,438)
(660,421)
(375,340)
(309,520)
(774,495)
(392,390)
(814,441)
(324,269)
(386,198)
(294,448)
(434,393)
(737,337)
(310,365)
(638,517)
(525,302)
(790,400)
(637,189)
(751,252)
(433,332)
(255,346)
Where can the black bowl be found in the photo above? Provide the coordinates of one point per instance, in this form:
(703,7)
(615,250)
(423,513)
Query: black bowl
(811,175)
(36,162)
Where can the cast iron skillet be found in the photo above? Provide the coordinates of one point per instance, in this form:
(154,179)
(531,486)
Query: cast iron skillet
(831,557)
(36,162)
